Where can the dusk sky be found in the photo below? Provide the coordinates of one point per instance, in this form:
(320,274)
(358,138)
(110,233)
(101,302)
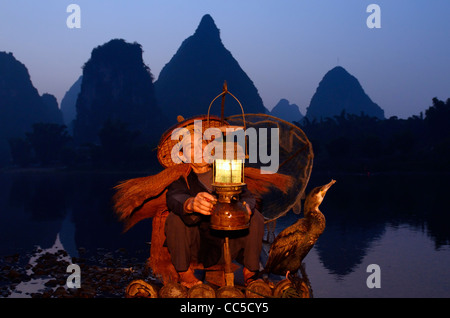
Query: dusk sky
(284,46)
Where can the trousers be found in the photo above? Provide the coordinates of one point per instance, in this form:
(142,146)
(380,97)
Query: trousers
(197,243)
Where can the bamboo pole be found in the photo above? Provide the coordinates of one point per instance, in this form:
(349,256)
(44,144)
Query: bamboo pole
(229,275)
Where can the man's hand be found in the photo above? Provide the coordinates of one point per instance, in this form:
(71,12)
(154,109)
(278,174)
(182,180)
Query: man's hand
(202,203)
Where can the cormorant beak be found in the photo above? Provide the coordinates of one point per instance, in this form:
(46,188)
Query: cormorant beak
(326,187)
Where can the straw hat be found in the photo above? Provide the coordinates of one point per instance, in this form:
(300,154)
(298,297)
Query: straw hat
(166,143)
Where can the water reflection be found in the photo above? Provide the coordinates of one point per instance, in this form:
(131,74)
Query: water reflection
(358,209)
(35,207)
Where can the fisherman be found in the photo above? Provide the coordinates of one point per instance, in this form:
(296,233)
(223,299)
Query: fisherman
(189,237)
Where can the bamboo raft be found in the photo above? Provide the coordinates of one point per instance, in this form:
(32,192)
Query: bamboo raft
(215,285)
(256,289)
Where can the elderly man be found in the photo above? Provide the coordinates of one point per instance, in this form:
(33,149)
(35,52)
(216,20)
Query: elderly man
(189,238)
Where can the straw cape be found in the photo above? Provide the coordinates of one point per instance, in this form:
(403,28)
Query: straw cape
(145,197)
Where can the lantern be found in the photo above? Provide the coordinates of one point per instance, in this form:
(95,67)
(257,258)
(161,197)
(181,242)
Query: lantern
(228,180)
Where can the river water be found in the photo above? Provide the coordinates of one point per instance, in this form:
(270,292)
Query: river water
(399,222)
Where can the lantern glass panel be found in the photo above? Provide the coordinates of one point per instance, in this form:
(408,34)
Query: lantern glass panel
(228,171)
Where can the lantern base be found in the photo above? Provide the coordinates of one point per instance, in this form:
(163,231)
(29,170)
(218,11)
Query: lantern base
(229,213)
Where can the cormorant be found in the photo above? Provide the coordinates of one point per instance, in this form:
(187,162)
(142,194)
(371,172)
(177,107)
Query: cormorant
(293,243)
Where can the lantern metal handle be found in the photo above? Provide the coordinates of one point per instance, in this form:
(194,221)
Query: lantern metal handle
(224,92)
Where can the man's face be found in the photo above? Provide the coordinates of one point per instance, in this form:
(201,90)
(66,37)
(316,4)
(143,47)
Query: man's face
(197,146)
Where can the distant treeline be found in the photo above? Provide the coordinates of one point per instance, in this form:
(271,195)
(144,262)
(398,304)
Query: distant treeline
(350,143)
(50,145)
(361,143)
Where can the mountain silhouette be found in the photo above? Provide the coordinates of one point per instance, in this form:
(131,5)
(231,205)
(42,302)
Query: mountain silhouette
(53,113)
(69,103)
(196,74)
(286,111)
(117,87)
(20,103)
(339,91)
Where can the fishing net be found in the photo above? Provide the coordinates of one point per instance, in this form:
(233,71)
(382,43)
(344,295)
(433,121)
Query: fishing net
(295,159)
